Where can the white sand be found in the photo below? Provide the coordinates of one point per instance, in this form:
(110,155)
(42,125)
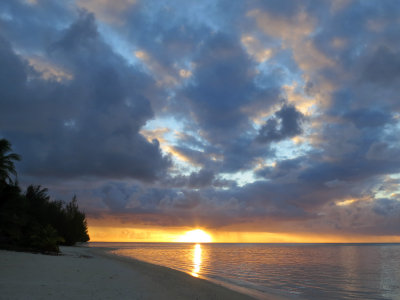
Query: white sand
(87,273)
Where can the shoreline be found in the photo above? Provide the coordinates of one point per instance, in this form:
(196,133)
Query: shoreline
(83,272)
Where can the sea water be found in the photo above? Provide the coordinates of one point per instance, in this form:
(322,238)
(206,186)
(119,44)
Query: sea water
(307,271)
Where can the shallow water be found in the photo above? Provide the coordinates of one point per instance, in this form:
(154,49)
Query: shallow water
(311,271)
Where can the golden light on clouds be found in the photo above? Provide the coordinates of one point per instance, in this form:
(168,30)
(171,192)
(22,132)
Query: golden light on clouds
(175,234)
(345,202)
(161,72)
(260,115)
(165,144)
(177,154)
(185,73)
(141,55)
(157,133)
(302,102)
(106,10)
(129,234)
(298,140)
(295,33)
(256,49)
(48,70)
(297,27)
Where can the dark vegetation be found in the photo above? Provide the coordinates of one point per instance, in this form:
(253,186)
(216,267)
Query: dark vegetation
(30,220)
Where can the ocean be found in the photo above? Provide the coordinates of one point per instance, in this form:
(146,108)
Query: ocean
(306,271)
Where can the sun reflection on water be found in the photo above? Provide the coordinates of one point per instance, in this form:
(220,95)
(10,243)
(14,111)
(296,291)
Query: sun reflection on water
(196,260)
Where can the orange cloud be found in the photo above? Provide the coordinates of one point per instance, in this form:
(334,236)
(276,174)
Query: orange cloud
(108,11)
(294,33)
(48,70)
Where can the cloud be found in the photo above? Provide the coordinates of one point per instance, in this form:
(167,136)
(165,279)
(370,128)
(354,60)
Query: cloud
(387,207)
(13,72)
(383,67)
(172,113)
(30,26)
(285,123)
(201,179)
(87,126)
(108,11)
(363,118)
(383,151)
(222,82)
(222,97)
(282,168)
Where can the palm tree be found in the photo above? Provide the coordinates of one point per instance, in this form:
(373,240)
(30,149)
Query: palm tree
(7,162)
(37,194)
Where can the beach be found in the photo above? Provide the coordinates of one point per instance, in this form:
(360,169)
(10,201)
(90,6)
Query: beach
(90,273)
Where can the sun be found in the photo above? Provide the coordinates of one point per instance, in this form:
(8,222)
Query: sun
(195,236)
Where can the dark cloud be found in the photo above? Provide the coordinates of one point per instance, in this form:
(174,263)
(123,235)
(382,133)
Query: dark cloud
(282,168)
(353,169)
(116,196)
(88,125)
(285,123)
(387,207)
(197,180)
(242,153)
(201,179)
(82,35)
(31,26)
(383,67)
(222,83)
(383,152)
(368,118)
(239,153)
(222,95)
(13,74)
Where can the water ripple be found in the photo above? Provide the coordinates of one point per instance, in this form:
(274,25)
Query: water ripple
(312,271)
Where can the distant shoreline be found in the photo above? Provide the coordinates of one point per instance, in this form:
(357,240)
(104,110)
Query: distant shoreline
(92,273)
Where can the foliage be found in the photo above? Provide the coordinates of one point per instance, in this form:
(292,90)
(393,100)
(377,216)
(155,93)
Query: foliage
(45,239)
(31,220)
(76,221)
(7,161)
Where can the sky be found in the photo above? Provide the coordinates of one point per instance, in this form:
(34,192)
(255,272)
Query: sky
(257,121)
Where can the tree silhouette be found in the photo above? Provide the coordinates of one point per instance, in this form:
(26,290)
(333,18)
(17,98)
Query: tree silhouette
(77,226)
(31,220)
(37,202)
(7,162)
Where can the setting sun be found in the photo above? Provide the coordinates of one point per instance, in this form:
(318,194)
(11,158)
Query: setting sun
(195,236)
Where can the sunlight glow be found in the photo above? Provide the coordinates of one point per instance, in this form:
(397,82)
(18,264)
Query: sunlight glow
(196,260)
(345,202)
(171,235)
(195,236)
